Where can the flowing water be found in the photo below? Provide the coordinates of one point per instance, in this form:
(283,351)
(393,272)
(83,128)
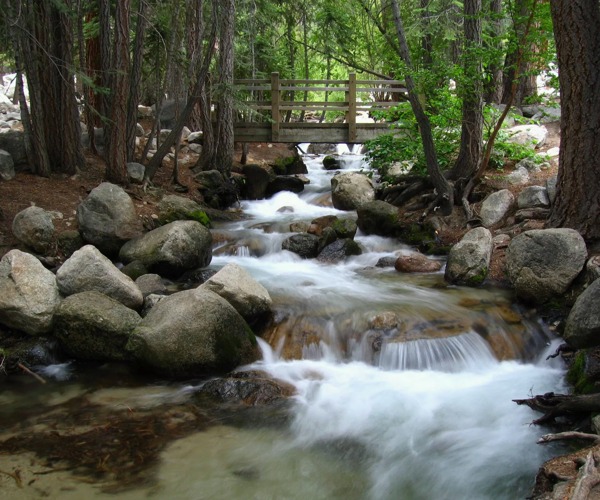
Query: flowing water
(404,385)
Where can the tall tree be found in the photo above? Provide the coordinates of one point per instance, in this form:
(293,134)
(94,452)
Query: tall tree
(445,195)
(577,35)
(115,130)
(471,91)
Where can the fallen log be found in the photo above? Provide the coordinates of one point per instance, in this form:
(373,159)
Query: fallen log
(560,405)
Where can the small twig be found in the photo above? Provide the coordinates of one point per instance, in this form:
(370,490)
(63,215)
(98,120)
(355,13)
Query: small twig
(29,372)
(16,476)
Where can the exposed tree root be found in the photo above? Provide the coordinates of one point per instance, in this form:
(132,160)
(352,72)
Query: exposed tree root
(559,405)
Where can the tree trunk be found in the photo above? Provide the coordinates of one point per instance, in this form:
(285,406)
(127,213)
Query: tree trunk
(494,88)
(577,35)
(225,109)
(116,132)
(136,77)
(471,140)
(445,196)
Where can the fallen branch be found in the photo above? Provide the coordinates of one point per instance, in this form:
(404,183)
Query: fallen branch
(29,372)
(559,405)
(16,476)
(547,438)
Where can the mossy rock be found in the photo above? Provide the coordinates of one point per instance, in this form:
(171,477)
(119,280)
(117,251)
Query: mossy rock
(579,375)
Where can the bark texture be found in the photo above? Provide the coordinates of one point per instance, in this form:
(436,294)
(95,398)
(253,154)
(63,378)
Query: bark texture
(577,35)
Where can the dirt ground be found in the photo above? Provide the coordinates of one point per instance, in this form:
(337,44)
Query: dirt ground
(63,194)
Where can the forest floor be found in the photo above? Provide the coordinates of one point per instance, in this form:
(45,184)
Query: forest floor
(62,194)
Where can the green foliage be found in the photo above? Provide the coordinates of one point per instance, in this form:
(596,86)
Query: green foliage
(576,376)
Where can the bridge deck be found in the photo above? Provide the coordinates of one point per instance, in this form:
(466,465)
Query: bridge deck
(270,104)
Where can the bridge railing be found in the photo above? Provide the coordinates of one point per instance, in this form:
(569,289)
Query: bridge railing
(273,101)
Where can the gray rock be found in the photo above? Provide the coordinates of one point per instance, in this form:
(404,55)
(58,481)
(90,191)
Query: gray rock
(528,135)
(242,291)
(322,149)
(13,142)
(34,227)
(469,260)
(88,270)
(28,293)
(379,217)
(533,197)
(542,264)
(150,301)
(173,207)
(305,245)
(135,172)
(529,165)
(134,269)
(350,190)
(532,213)
(518,177)
(582,329)
(92,326)
(151,284)
(171,249)
(195,138)
(193,333)
(496,206)
(339,250)
(343,227)
(416,263)
(69,242)
(7,166)
(107,218)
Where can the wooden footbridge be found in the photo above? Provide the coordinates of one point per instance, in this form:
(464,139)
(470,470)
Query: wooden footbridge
(273,115)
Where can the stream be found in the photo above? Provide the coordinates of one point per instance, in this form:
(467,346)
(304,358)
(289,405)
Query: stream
(404,384)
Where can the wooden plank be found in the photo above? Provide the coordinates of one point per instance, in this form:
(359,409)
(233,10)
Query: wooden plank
(380,82)
(314,89)
(378,89)
(316,82)
(275,98)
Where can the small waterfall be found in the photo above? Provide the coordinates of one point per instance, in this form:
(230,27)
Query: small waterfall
(450,354)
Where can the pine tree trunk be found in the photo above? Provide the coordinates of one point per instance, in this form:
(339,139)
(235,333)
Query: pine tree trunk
(577,38)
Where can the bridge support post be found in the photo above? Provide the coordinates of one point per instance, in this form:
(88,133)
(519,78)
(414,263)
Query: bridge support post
(275,102)
(351,115)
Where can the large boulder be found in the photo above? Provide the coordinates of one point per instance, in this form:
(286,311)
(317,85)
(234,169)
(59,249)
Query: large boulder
(285,183)
(217,190)
(380,218)
(88,270)
(242,291)
(107,218)
(34,227)
(542,263)
(92,326)
(7,166)
(496,206)
(469,260)
(257,180)
(193,333)
(582,329)
(172,249)
(28,293)
(350,190)
(172,207)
